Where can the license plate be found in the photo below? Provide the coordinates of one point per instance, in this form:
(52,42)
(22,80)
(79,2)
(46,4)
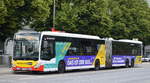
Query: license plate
(26,69)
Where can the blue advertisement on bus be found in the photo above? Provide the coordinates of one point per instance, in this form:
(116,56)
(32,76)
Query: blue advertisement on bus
(119,59)
(79,60)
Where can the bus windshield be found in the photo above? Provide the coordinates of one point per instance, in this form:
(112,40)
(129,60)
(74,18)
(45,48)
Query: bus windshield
(26,46)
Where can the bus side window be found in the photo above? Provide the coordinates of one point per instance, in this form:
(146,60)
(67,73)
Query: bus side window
(47,50)
(74,48)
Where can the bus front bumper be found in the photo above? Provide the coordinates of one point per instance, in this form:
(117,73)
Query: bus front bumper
(40,68)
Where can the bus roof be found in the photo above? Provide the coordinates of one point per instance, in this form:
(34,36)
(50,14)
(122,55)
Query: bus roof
(129,41)
(63,34)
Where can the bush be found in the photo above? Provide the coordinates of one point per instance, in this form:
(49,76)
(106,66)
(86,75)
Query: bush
(1,60)
(10,60)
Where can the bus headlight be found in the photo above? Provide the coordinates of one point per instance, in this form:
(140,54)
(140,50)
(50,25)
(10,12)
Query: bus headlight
(13,65)
(37,65)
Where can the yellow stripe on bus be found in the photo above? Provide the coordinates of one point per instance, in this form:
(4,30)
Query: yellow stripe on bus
(101,55)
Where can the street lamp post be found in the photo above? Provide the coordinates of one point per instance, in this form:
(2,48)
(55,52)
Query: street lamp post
(54,13)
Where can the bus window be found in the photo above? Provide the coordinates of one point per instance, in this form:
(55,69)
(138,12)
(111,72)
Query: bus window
(47,49)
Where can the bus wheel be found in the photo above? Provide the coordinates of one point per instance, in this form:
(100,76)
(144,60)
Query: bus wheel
(127,63)
(132,63)
(61,67)
(97,65)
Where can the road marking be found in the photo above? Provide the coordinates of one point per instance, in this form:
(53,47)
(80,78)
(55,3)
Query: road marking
(145,62)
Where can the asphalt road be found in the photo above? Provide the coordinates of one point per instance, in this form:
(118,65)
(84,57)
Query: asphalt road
(138,74)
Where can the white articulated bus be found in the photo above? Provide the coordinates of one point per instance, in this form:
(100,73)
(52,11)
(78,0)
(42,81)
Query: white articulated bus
(57,51)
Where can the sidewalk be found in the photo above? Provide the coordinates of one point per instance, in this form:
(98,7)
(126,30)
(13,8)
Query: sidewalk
(4,69)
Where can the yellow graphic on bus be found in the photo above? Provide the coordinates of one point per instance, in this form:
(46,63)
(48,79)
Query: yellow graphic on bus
(101,55)
(138,60)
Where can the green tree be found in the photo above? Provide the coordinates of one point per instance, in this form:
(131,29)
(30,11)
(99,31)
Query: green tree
(105,18)
(131,19)
(87,17)
(94,18)
(3,11)
(17,13)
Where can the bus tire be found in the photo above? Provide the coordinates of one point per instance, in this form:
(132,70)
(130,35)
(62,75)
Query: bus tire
(97,65)
(132,63)
(127,63)
(61,67)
